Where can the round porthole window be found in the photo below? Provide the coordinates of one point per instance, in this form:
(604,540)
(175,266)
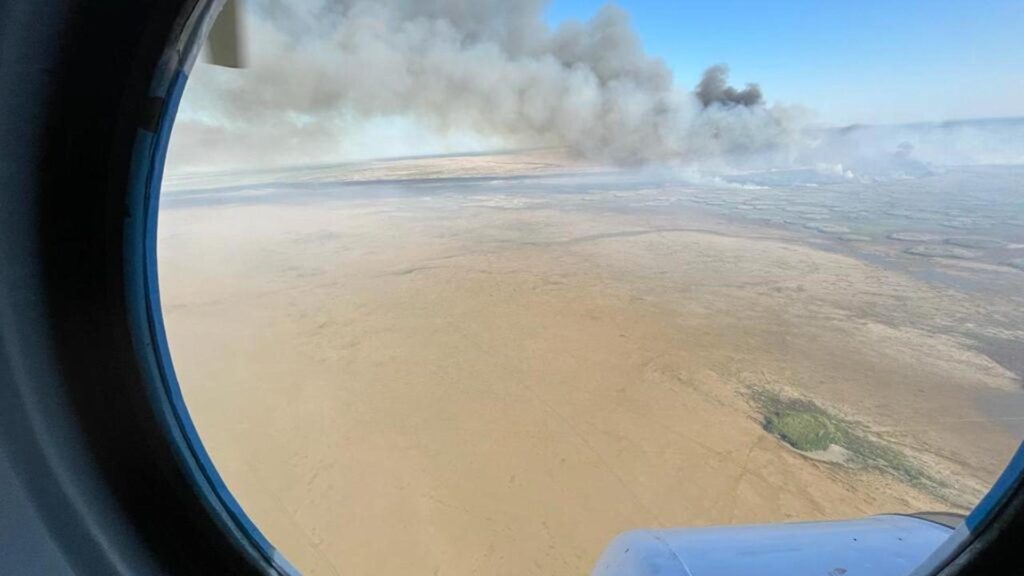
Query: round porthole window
(529,287)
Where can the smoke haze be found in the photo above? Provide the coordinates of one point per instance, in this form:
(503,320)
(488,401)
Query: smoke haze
(472,73)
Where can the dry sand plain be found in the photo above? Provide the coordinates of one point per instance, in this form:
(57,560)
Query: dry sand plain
(465,381)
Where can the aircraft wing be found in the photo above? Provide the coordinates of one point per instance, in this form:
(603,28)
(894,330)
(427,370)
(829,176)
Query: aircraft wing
(887,545)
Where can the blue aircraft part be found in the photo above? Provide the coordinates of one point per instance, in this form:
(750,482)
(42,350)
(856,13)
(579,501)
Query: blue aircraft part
(974,523)
(887,545)
(143,291)
(1007,480)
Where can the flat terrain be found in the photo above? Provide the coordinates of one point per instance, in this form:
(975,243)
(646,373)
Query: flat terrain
(494,364)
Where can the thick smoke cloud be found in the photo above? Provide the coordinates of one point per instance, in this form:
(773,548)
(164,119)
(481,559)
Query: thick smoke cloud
(488,67)
(714,89)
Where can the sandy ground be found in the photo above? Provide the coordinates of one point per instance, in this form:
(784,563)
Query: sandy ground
(491,385)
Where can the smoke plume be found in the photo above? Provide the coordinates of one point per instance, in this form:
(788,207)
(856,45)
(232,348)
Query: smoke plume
(491,68)
(714,89)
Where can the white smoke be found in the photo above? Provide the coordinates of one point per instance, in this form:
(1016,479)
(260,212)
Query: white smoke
(492,69)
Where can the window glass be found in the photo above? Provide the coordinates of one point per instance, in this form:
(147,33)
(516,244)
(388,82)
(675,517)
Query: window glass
(473,287)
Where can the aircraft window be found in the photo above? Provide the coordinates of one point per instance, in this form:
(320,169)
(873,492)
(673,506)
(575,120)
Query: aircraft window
(476,287)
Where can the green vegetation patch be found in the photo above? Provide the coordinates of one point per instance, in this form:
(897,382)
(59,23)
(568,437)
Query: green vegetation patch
(806,426)
(806,431)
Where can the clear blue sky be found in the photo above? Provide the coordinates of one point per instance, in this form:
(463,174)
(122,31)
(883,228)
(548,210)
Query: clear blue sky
(851,61)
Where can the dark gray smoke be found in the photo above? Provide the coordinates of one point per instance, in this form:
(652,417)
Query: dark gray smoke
(489,67)
(714,89)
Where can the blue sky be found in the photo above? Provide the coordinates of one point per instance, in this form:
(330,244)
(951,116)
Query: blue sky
(867,61)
